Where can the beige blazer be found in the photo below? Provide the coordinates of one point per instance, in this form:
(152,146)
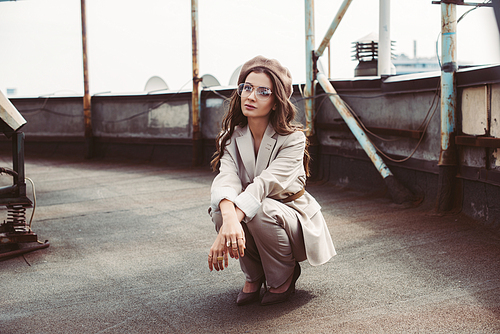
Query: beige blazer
(277,173)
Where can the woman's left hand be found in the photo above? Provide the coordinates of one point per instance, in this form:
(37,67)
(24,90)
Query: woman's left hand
(217,256)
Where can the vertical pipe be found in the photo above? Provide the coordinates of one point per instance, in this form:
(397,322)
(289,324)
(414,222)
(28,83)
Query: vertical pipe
(310,68)
(309,91)
(447,157)
(196,95)
(87,111)
(18,163)
(384,38)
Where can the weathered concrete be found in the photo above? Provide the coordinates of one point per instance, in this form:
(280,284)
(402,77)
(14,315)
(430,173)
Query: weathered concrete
(129,243)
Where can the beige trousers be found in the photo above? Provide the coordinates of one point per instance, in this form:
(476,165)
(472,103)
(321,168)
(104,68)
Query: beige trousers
(274,242)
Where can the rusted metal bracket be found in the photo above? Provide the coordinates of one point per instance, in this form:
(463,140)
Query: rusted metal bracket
(462,3)
(477,141)
(17,237)
(18,252)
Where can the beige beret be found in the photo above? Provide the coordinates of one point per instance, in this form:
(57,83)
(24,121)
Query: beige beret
(272,65)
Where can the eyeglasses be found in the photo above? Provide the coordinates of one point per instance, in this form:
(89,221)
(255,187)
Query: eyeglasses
(262,93)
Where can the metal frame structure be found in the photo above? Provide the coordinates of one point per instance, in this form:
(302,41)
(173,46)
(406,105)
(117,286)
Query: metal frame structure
(398,192)
(447,158)
(16,230)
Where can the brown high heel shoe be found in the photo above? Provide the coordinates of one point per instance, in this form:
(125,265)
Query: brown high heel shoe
(245,298)
(270,298)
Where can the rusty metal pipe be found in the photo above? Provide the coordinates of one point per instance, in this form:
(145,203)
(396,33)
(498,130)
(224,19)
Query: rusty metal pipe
(448,73)
(196,94)
(329,58)
(87,111)
(352,123)
(397,191)
(448,157)
(333,26)
(22,251)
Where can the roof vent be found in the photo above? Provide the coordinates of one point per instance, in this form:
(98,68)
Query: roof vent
(366,53)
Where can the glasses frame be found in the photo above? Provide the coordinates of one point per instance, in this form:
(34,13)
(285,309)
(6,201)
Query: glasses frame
(239,91)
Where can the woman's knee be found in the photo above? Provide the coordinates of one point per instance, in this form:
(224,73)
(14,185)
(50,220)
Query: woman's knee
(266,217)
(269,207)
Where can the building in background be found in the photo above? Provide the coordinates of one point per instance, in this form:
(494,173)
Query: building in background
(406,65)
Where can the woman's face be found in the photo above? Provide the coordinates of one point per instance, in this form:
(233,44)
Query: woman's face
(253,107)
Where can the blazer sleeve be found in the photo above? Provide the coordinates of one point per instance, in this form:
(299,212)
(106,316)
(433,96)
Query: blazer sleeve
(227,184)
(284,173)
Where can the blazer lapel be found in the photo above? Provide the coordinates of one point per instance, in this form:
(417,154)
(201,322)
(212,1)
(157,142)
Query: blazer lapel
(245,148)
(265,150)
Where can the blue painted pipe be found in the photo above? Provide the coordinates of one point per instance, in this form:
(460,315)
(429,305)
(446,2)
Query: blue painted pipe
(398,192)
(333,26)
(448,73)
(447,156)
(352,123)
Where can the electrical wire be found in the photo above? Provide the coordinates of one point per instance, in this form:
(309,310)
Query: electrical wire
(34,201)
(470,10)
(216,92)
(27,111)
(421,137)
(426,121)
(459,19)
(425,124)
(416,147)
(300,90)
(36,110)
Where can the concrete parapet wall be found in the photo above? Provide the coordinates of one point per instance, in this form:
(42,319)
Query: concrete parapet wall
(157,127)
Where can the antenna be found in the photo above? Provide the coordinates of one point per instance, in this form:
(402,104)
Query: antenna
(155,83)
(234,78)
(209,80)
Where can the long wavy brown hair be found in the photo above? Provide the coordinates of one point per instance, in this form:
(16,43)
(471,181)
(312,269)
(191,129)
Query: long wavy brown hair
(281,119)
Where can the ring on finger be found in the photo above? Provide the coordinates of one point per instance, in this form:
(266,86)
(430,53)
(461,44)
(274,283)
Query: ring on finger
(220,258)
(228,243)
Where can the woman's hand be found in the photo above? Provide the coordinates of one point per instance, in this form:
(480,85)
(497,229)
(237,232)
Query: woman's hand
(231,237)
(218,254)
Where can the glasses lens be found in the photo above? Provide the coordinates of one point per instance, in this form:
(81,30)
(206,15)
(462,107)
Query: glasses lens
(240,89)
(263,93)
(244,90)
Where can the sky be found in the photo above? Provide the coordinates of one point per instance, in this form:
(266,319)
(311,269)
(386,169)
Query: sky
(130,41)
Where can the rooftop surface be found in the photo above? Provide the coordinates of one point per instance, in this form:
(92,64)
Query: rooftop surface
(128,254)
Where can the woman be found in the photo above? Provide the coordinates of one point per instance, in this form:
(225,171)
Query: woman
(262,213)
